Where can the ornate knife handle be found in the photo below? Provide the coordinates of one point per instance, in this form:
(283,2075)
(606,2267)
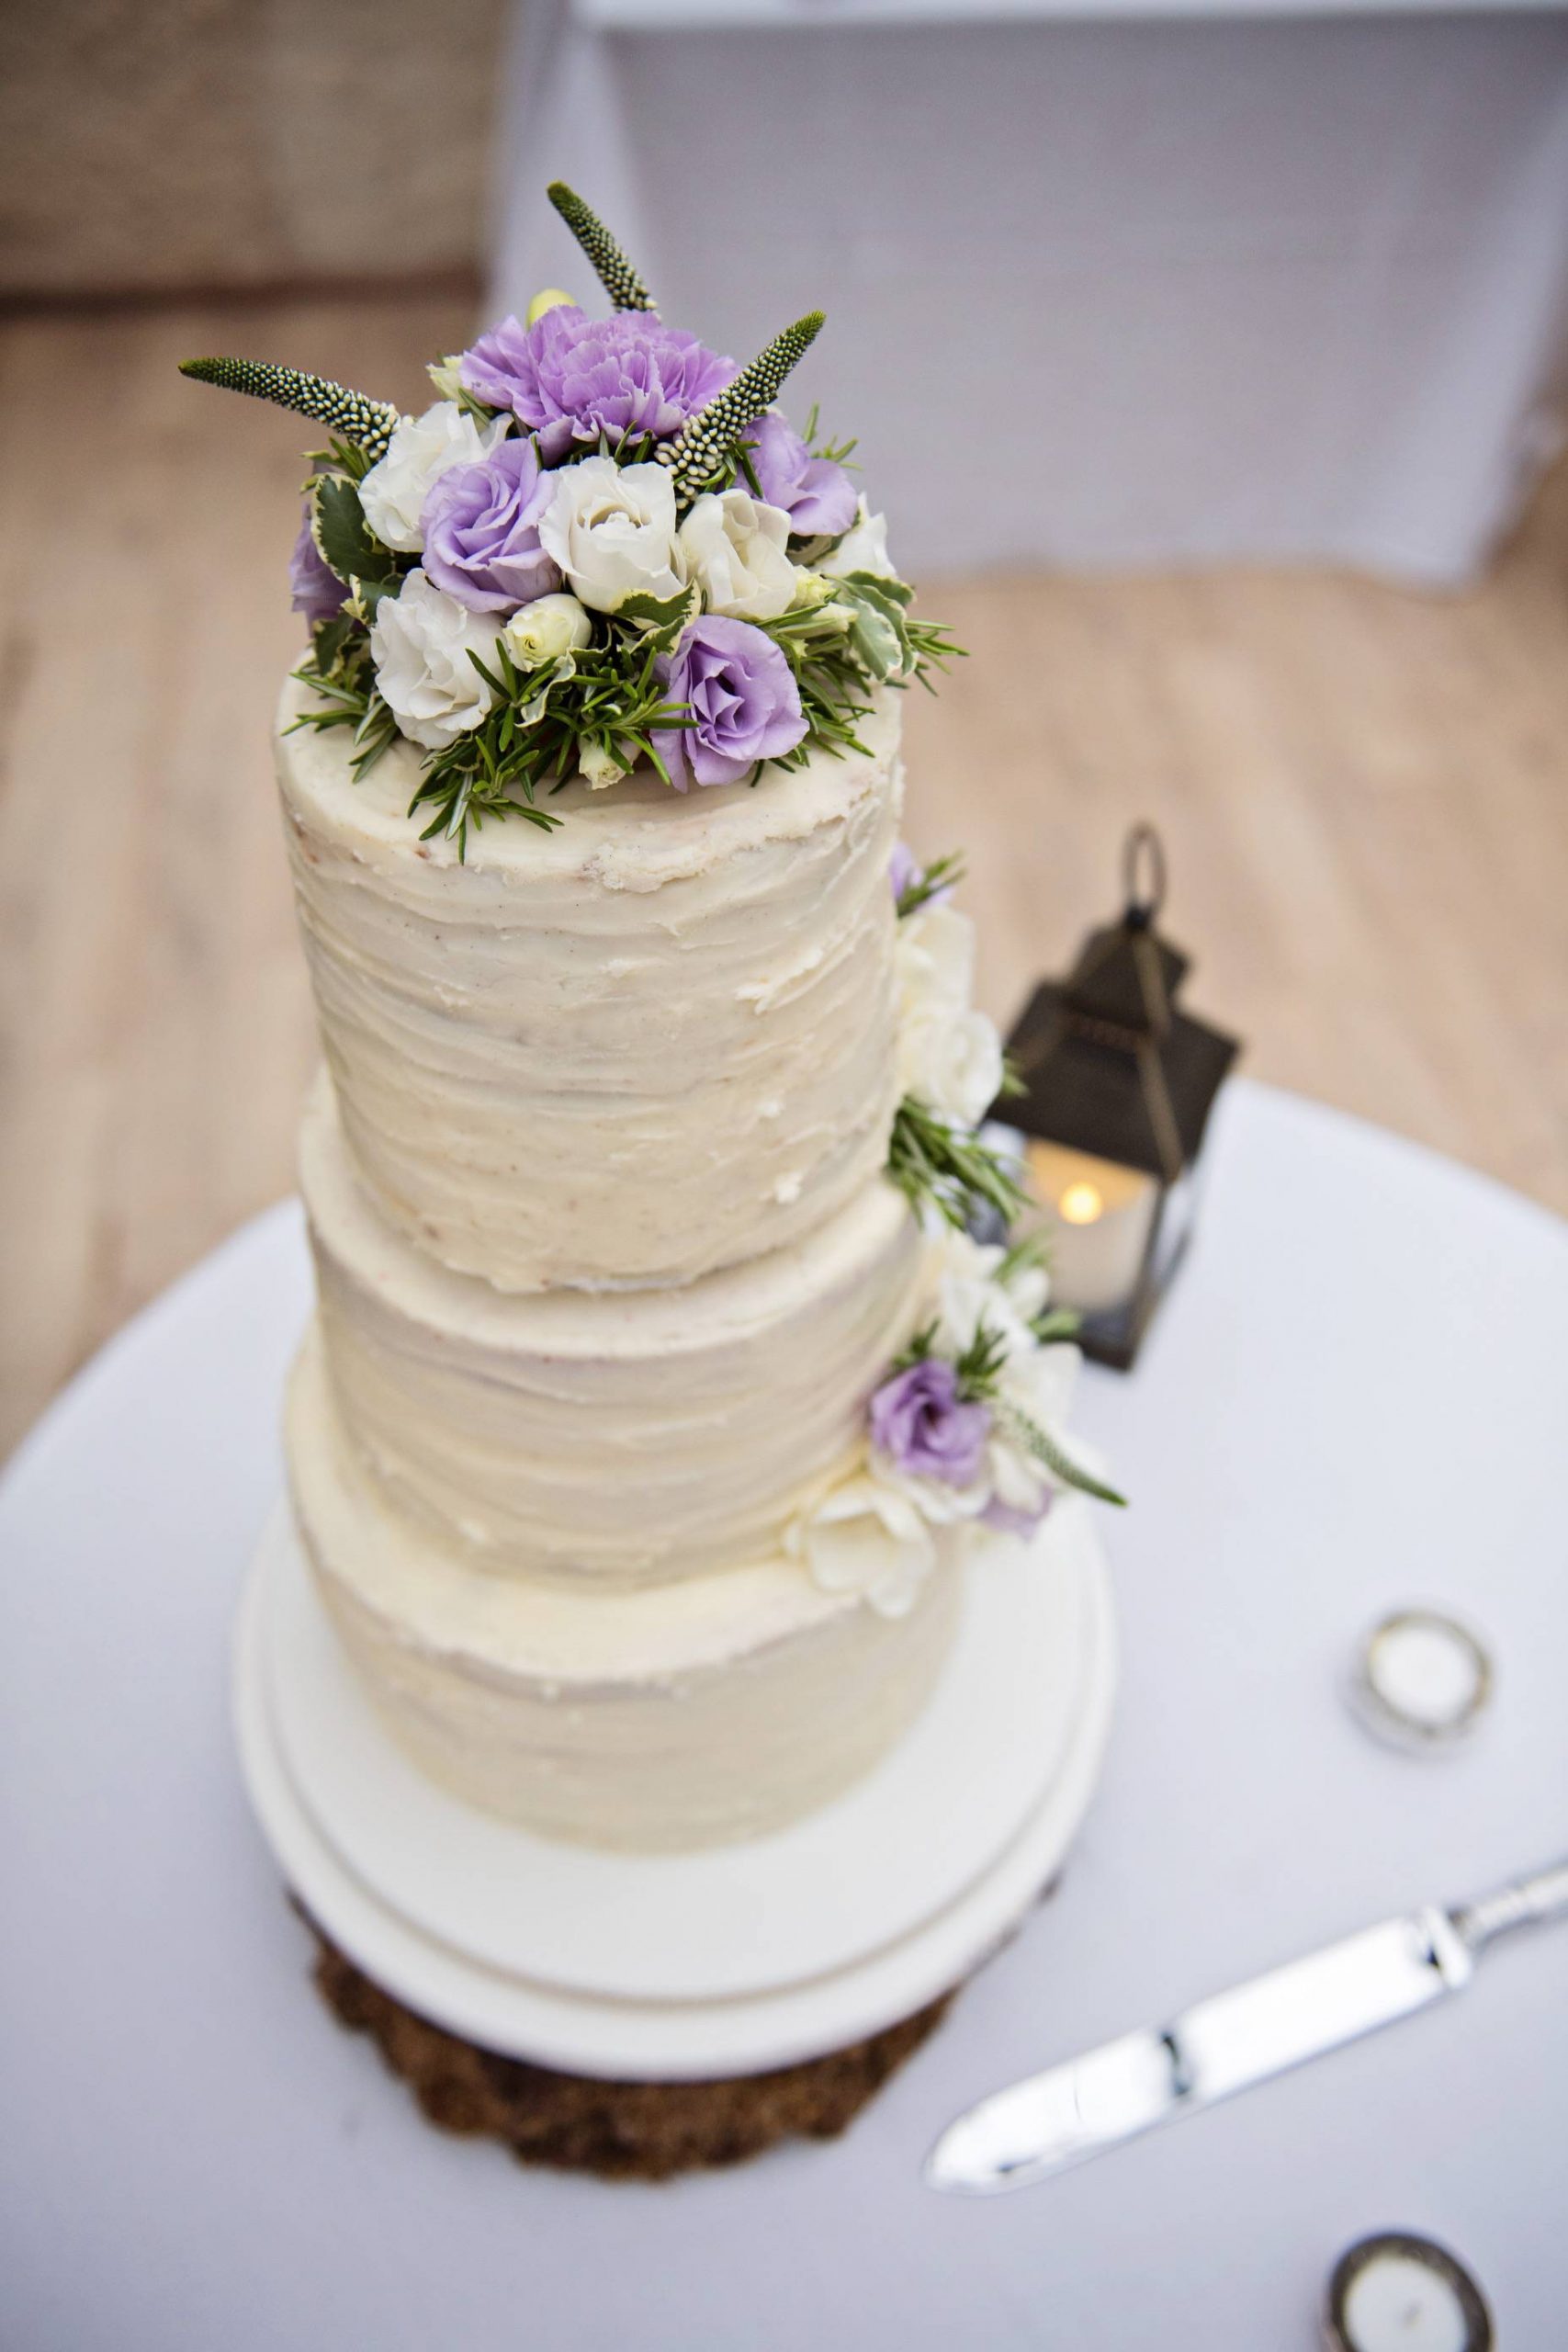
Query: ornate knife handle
(1529,1902)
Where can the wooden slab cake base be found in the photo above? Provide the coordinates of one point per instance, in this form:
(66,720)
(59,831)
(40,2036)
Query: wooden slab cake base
(618,2130)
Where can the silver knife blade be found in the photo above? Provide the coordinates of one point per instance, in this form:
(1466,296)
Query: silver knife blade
(1221,2045)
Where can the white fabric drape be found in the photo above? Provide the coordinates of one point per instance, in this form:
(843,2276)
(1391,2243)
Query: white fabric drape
(1101,293)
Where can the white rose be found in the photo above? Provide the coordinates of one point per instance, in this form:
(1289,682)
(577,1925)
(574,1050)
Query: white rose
(863,547)
(737,550)
(864,1537)
(612,530)
(953,1062)
(547,630)
(420,642)
(422,449)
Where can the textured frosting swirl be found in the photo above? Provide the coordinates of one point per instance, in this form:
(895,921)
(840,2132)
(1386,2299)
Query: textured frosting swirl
(654,1042)
(720,1708)
(604,1441)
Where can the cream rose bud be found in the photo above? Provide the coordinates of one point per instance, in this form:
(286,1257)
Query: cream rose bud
(612,530)
(737,551)
(599,767)
(952,1061)
(420,643)
(864,1537)
(420,450)
(863,547)
(547,630)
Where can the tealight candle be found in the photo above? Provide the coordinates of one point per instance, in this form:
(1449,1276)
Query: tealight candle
(1101,1215)
(1422,1679)
(1398,2293)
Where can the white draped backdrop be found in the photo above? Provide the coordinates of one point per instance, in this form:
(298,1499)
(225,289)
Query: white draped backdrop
(1101,291)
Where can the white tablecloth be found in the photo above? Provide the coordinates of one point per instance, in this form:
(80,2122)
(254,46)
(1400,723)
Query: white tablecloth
(1357,1396)
(1098,292)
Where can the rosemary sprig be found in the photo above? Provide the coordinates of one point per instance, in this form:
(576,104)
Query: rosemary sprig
(933,1161)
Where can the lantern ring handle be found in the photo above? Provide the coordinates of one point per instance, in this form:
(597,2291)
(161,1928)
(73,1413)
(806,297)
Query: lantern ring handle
(1143,874)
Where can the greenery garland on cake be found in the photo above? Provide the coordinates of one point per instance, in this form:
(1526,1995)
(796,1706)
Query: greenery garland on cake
(602,547)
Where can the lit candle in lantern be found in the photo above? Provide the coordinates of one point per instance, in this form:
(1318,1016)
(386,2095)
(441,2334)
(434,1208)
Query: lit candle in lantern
(1399,2293)
(1098,1217)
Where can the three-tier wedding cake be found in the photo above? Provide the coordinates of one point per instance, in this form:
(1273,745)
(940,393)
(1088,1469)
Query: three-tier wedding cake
(657,1397)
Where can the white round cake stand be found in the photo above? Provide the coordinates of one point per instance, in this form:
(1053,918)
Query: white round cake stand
(683,1967)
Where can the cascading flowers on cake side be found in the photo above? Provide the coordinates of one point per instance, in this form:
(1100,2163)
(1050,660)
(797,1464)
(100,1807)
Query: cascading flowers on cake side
(601,547)
(966,1429)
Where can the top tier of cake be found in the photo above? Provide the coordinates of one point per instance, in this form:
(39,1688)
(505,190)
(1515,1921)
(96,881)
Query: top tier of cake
(654,1042)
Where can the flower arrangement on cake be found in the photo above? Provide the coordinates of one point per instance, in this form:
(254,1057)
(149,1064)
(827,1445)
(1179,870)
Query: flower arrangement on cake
(602,547)
(967,1431)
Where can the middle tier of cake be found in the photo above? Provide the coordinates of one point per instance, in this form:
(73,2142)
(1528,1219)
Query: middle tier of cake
(604,1440)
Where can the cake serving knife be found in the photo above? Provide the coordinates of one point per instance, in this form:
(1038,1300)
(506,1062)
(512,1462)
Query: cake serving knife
(1070,2112)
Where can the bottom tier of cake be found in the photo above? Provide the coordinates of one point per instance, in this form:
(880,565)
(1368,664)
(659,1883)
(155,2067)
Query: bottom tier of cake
(715,1709)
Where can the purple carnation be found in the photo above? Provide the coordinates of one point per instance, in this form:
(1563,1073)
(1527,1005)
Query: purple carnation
(917,1420)
(741,696)
(482,530)
(316,590)
(569,378)
(817,496)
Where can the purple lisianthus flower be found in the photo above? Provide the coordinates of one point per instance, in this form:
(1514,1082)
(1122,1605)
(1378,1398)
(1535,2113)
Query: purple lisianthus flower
(315,589)
(741,698)
(569,378)
(482,530)
(918,1421)
(904,870)
(817,496)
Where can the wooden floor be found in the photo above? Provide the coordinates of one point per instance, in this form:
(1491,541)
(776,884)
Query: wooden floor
(1364,792)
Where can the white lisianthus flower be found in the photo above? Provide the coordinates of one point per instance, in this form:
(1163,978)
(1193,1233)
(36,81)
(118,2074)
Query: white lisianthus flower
(447,375)
(948,1055)
(737,551)
(865,1537)
(547,630)
(962,1287)
(420,450)
(863,547)
(612,530)
(420,643)
(953,1063)
(934,961)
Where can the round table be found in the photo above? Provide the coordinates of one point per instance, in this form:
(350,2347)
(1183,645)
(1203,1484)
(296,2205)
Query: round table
(1356,1396)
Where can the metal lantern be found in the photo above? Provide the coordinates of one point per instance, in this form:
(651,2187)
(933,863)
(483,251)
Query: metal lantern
(1117,1088)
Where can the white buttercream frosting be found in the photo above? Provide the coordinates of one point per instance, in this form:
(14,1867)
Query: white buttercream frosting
(654,1042)
(611,1439)
(718,1708)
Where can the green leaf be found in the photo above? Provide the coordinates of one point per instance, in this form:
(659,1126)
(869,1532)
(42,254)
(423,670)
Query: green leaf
(344,541)
(661,619)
